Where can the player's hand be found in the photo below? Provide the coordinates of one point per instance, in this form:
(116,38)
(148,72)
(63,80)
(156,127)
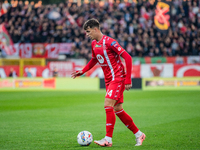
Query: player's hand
(128,86)
(76,73)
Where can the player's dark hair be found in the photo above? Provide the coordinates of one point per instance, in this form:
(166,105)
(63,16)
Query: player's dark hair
(91,23)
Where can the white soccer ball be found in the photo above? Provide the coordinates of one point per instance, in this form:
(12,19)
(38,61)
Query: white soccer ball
(84,138)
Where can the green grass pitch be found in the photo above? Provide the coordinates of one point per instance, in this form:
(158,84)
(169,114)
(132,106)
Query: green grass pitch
(51,120)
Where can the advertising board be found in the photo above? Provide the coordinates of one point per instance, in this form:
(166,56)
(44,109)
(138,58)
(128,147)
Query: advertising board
(186,83)
(69,84)
(27,83)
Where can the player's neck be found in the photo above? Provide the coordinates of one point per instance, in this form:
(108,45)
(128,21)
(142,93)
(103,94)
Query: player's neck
(99,37)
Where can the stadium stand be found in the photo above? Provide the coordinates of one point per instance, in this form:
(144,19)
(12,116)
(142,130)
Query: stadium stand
(131,24)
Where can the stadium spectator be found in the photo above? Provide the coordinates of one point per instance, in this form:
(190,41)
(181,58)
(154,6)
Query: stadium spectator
(55,72)
(12,73)
(29,73)
(129,23)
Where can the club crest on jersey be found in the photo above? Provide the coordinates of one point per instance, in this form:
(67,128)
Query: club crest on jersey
(119,48)
(114,42)
(97,45)
(100,58)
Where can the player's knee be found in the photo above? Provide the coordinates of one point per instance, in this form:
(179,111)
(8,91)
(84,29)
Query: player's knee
(118,107)
(109,102)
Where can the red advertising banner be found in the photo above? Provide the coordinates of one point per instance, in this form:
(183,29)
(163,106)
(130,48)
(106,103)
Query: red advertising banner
(63,68)
(156,70)
(36,71)
(135,71)
(25,50)
(65,48)
(6,42)
(39,50)
(186,70)
(52,50)
(9,71)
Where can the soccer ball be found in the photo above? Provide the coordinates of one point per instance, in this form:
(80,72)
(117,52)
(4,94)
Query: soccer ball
(84,138)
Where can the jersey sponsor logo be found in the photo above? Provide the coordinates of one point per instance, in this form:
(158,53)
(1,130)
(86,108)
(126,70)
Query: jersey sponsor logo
(113,43)
(119,48)
(97,45)
(100,58)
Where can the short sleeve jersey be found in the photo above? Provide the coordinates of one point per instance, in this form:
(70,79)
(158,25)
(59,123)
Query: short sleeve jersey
(107,52)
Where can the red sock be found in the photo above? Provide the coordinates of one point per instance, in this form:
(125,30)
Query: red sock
(127,120)
(110,120)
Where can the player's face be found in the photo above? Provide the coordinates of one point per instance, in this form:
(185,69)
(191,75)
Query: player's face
(90,32)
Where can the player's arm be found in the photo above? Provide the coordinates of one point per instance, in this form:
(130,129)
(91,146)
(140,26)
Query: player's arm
(114,45)
(128,60)
(90,64)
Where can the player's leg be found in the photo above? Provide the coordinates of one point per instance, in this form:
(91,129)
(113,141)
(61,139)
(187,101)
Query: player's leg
(110,123)
(128,122)
(110,118)
(125,118)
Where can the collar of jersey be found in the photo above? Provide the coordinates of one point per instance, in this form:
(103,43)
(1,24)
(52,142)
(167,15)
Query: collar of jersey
(101,39)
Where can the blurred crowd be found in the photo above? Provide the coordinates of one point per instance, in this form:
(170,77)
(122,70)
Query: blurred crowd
(131,24)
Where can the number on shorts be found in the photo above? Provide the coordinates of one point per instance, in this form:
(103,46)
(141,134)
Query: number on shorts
(109,93)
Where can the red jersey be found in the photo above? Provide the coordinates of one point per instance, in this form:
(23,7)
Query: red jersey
(107,51)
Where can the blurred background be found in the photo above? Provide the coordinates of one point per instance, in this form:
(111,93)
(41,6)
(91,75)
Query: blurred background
(43,42)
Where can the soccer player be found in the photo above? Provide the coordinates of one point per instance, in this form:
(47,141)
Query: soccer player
(107,51)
